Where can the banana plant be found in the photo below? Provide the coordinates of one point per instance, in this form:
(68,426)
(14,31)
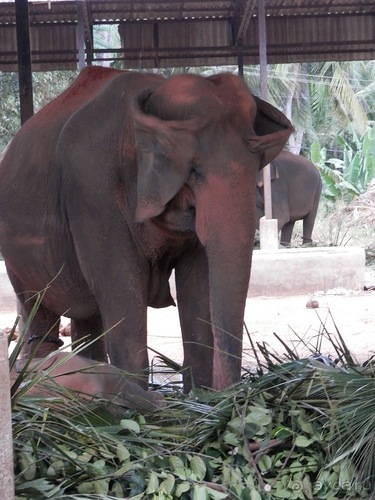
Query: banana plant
(349,174)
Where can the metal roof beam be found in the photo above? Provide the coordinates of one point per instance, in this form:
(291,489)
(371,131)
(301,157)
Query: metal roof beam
(84,33)
(243,12)
(87,18)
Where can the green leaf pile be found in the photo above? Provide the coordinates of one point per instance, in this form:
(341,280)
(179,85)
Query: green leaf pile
(293,429)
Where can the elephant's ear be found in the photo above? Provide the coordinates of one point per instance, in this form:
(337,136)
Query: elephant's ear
(272,129)
(165,150)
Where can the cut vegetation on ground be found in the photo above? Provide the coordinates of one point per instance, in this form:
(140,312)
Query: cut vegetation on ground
(294,429)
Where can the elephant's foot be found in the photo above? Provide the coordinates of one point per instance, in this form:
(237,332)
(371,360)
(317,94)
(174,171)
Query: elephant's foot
(307,242)
(132,395)
(40,346)
(92,379)
(33,364)
(285,244)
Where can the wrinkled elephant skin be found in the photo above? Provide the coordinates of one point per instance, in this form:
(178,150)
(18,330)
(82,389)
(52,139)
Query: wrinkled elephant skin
(121,179)
(296,186)
(92,379)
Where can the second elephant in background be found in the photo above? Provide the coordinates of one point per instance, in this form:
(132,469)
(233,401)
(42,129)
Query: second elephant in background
(296,186)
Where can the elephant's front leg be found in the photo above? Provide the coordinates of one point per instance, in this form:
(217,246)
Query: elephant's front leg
(40,328)
(118,278)
(194,311)
(125,324)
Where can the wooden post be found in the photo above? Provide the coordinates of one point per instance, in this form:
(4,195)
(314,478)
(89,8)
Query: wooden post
(6,441)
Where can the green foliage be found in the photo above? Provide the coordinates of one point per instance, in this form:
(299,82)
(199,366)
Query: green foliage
(46,86)
(105,37)
(320,98)
(50,84)
(349,175)
(297,429)
(9,108)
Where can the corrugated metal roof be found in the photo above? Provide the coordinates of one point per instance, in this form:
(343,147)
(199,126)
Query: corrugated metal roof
(65,11)
(195,32)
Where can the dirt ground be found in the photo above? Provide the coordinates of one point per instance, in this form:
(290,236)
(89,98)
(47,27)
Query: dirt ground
(351,312)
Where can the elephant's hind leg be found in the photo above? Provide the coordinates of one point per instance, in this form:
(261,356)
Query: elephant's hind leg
(286,234)
(309,220)
(87,331)
(38,326)
(39,330)
(308,226)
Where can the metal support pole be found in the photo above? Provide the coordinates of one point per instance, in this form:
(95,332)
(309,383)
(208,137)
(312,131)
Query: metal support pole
(24,60)
(262,49)
(240,59)
(264,95)
(6,442)
(268,226)
(80,36)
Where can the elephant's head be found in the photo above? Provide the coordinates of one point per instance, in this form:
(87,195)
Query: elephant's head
(209,137)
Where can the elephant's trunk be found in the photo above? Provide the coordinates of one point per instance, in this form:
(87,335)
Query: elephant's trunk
(226,229)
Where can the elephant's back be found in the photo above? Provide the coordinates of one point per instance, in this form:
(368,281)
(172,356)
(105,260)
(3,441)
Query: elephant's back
(30,152)
(28,171)
(295,166)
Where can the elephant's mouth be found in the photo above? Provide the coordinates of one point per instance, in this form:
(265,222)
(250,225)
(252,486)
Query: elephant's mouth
(180,221)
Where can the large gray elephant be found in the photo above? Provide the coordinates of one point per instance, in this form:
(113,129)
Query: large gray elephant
(296,186)
(121,179)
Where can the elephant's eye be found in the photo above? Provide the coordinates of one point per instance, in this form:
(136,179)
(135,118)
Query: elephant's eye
(196,170)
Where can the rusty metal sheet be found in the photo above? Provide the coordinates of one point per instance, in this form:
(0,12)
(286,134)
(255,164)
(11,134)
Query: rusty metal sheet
(195,32)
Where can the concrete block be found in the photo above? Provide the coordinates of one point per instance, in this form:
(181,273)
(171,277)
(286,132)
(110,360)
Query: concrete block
(268,234)
(285,271)
(289,271)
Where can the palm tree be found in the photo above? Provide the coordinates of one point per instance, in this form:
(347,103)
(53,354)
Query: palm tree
(321,99)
